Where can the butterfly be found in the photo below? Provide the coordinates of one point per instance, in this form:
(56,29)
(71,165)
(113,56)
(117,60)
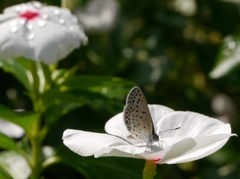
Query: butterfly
(137,117)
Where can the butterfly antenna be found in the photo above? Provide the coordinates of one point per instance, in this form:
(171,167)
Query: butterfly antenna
(170,129)
(121,138)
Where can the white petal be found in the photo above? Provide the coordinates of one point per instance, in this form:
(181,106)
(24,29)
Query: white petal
(158,111)
(205,145)
(88,143)
(11,44)
(191,125)
(116,126)
(11,129)
(178,149)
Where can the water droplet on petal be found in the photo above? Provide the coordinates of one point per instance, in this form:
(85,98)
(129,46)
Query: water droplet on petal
(62,21)
(30,36)
(71,28)
(41,23)
(45,16)
(18,8)
(231,45)
(37,5)
(13,23)
(74,19)
(23,21)
(14,29)
(30,27)
(57,12)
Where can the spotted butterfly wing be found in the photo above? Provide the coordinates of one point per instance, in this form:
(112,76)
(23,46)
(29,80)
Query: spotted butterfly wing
(137,117)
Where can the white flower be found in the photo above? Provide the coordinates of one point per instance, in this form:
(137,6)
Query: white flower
(198,137)
(10,129)
(98,15)
(38,32)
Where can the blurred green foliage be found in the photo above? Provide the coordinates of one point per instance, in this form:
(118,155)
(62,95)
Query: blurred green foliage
(169,54)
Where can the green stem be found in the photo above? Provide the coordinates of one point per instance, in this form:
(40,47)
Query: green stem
(36,157)
(149,170)
(35,139)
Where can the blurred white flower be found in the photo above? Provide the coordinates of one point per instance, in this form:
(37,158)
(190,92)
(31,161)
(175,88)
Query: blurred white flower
(15,164)
(98,15)
(38,32)
(185,7)
(10,129)
(198,137)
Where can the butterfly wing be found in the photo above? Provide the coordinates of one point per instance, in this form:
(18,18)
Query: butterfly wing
(137,116)
(135,122)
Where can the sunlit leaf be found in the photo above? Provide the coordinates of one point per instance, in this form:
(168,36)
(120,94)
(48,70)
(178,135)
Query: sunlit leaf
(7,142)
(44,77)
(61,75)
(19,71)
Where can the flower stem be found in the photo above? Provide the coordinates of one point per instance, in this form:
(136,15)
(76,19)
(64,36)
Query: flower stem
(36,158)
(35,139)
(149,170)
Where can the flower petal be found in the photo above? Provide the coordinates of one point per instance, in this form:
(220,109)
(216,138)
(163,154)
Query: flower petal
(88,143)
(116,126)
(11,44)
(191,125)
(158,111)
(178,149)
(205,145)
(10,129)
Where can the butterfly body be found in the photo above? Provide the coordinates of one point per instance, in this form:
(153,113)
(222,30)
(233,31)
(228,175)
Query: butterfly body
(137,117)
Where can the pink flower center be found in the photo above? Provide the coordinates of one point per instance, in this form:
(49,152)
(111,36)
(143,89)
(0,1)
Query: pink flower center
(29,15)
(157,160)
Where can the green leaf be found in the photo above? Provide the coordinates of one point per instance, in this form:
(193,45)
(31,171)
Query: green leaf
(44,77)
(7,143)
(53,113)
(14,164)
(59,103)
(97,101)
(228,59)
(61,75)
(111,87)
(57,97)
(87,81)
(33,75)
(25,120)
(96,167)
(4,174)
(20,69)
